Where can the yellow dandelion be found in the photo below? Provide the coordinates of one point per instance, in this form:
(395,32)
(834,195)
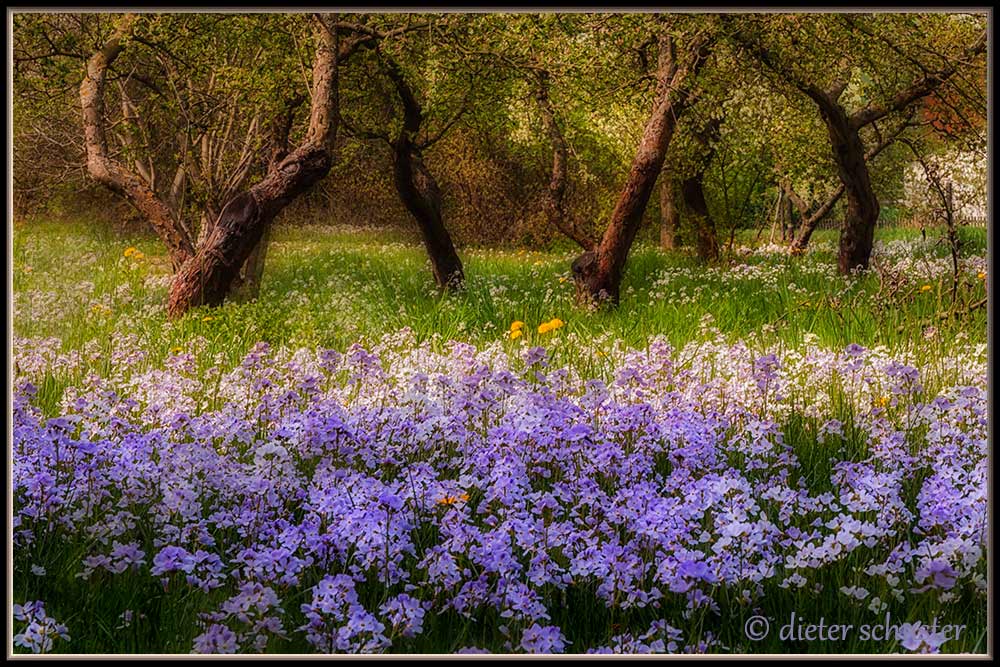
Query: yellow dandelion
(448,500)
(551,325)
(207,318)
(131,250)
(515,334)
(882,401)
(176,349)
(925,288)
(516,325)
(982,275)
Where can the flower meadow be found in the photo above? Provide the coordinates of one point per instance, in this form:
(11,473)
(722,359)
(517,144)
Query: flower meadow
(535,486)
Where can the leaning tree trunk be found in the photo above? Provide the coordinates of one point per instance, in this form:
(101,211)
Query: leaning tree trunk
(420,194)
(109,172)
(419,191)
(669,214)
(598,273)
(706,239)
(208,277)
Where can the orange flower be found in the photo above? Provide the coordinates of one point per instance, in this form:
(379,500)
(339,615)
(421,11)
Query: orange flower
(451,500)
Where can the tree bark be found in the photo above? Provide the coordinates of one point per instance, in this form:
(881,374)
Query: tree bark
(669,214)
(418,190)
(248,282)
(809,221)
(857,235)
(706,238)
(787,219)
(111,173)
(598,272)
(207,278)
(252,273)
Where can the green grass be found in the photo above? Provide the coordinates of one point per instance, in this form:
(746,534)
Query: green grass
(333,288)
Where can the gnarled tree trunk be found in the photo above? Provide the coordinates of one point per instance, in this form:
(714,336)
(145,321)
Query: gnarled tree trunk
(598,272)
(419,191)
(108,171)
(208,277)
(248,282)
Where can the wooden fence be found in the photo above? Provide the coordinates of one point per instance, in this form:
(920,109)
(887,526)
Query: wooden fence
(831,222)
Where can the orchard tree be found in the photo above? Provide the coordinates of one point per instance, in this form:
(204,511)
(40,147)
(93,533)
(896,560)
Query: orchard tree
(207,270)
(683,45)
(428,93)
(860,71)
(186,130)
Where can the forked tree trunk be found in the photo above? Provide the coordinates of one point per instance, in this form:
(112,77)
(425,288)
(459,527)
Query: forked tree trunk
(669,214)
(207,278)
(598,272)
(109,172)
(809,221)
(706,238)
(419,191)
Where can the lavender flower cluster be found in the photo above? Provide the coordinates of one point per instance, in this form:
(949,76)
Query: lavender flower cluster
(478,481)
